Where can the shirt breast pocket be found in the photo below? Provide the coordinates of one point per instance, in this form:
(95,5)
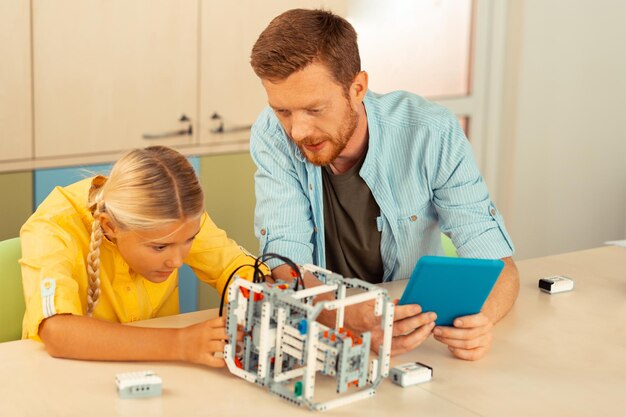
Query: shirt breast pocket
(417,228)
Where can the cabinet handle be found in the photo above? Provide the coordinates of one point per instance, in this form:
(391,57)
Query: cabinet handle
(188,131)
(219,125)
(171,133)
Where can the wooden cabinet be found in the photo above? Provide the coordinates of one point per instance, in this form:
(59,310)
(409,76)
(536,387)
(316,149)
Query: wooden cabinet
(107,73)
(15,81)
(229,86)
(107,76)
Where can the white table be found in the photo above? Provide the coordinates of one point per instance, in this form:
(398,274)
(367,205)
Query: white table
(557,355)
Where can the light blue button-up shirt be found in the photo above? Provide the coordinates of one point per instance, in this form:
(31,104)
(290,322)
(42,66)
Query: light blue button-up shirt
(420,169)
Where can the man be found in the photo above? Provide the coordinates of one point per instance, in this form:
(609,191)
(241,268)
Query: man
(363,184)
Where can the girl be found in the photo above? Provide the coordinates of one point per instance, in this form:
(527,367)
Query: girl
(105,251)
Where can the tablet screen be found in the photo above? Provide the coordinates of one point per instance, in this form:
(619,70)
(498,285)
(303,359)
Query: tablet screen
(451,287)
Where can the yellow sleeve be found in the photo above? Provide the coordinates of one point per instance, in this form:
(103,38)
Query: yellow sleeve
(48,262)
(214,256)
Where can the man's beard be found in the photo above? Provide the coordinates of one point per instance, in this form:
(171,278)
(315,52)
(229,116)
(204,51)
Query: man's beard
(337,144)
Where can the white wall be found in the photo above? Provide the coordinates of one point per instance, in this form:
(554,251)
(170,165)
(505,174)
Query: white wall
(563,173)
(424,48)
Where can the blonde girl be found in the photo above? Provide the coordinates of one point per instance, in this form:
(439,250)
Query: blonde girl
(106,251)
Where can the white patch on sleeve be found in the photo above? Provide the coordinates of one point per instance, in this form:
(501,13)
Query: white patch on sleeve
(48,288)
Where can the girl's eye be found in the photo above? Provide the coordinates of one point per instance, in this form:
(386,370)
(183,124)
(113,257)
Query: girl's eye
(159,248)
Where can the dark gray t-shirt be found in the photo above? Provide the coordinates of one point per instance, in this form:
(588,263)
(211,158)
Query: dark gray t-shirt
(350,231)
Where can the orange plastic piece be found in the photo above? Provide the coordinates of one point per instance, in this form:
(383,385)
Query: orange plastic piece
(258,296)
(245,292)
(325,334)
(238,362)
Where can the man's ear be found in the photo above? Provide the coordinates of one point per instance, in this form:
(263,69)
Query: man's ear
(358,88)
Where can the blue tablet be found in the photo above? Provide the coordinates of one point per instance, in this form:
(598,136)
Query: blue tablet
(451,287)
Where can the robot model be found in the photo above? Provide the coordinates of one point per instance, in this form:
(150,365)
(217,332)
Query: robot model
(297,358)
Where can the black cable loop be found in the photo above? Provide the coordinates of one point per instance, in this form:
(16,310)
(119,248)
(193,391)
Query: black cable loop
(257,275)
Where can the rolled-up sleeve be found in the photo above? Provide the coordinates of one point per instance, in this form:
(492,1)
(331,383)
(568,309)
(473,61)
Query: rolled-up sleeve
(48,254)
(466,212)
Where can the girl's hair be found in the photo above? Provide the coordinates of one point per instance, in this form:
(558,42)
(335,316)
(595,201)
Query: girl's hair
(147,188)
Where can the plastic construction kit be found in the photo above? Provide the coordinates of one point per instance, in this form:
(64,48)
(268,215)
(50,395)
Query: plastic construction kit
(411,373)
(556,284)
(291,354)
(138,384)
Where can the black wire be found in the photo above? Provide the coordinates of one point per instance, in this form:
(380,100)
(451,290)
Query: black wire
(258,275)
(232,274)
(267,256)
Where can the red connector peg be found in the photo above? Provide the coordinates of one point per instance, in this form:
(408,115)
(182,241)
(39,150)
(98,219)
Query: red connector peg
(238,362)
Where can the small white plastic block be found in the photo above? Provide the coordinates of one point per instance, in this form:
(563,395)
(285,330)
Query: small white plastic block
(138,384)
(556,284)
(411,373)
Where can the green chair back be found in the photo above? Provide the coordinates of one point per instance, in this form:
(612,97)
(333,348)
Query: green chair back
(448,246)
(11,292)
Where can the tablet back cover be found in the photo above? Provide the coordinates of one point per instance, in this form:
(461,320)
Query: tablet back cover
(451,287)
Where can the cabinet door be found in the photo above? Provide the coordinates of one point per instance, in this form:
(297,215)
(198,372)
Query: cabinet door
(229,86)
(108,72)
(15,81)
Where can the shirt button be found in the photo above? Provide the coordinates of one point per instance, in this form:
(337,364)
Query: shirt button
(413,218)
(315,230)
(492,211)
(311,187)
(128,288)
(263,232)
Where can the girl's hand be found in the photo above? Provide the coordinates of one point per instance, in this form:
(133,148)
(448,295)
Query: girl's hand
(200,342)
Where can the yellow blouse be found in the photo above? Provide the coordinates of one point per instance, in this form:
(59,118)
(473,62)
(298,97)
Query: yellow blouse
(55,245)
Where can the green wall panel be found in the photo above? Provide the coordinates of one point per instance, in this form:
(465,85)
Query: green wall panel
(228,183)
(16,203)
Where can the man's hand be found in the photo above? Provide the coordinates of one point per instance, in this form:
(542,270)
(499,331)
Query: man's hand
(469,339)
(411,327)
(471,336)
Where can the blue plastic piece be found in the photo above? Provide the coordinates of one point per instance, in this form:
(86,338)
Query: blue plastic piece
(302,326)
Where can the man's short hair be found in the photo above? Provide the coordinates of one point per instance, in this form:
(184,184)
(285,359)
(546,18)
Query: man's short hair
(299,37)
